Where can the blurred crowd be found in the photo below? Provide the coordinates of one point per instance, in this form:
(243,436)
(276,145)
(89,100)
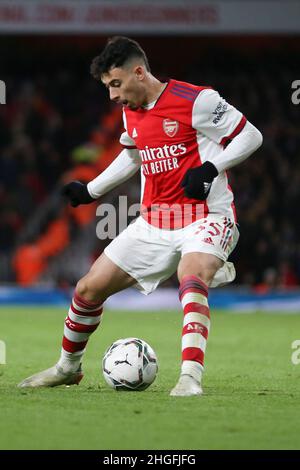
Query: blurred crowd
(49,114)
(44,119)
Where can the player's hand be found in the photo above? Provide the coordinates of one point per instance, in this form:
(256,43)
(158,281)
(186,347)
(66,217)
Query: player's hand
(197,181)
(77,193)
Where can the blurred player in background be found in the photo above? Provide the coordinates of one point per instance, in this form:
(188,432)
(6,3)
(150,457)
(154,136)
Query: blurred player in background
(183,137)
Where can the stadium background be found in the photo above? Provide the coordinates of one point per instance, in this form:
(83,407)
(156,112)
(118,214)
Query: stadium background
(58,125)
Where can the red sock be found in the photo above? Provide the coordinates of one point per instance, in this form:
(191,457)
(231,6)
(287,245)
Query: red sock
(82,320)
(193,293)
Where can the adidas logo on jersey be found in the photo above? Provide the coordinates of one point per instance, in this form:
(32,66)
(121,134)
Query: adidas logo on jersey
(134,133)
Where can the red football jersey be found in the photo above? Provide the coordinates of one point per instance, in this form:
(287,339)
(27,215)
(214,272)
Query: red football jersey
(178,133)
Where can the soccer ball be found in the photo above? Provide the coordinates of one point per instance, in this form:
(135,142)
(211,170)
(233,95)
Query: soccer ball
(129,364)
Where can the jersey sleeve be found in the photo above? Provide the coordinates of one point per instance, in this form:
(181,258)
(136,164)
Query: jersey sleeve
(215,118)
(123,167)
(125,140)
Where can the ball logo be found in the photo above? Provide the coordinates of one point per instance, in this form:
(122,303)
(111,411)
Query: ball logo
(170,127)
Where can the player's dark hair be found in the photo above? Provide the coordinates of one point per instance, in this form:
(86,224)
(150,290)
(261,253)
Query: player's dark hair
(117,52)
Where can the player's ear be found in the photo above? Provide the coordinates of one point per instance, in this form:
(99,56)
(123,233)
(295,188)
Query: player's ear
(139,72)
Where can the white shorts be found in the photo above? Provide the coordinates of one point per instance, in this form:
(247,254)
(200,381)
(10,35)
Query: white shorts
(151,255)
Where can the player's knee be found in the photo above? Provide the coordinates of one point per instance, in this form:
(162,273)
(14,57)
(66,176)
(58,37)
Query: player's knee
(81,287)
(203,266)
(88,289)
(206,272)
(203,272)
(206,276)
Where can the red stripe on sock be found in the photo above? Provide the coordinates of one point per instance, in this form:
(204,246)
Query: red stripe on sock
(192,284)
(86,314)
(193,354)
(85,303)
(195,279)
(71,346)
(79,327)
(196,307)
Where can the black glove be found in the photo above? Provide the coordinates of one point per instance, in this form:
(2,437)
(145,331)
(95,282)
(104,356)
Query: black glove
(197,181)
(77,193)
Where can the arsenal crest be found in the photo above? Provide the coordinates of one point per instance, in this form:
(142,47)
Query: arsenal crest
(170,127)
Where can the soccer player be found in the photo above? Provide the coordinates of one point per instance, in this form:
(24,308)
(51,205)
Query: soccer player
(183,138)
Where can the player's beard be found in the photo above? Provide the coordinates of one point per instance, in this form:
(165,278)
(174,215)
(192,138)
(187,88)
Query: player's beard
(133,107)
(133,104)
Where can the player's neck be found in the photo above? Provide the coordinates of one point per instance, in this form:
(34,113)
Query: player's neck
(154,91)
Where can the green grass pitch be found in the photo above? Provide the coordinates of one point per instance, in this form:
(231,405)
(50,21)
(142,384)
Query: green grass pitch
(252,389)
